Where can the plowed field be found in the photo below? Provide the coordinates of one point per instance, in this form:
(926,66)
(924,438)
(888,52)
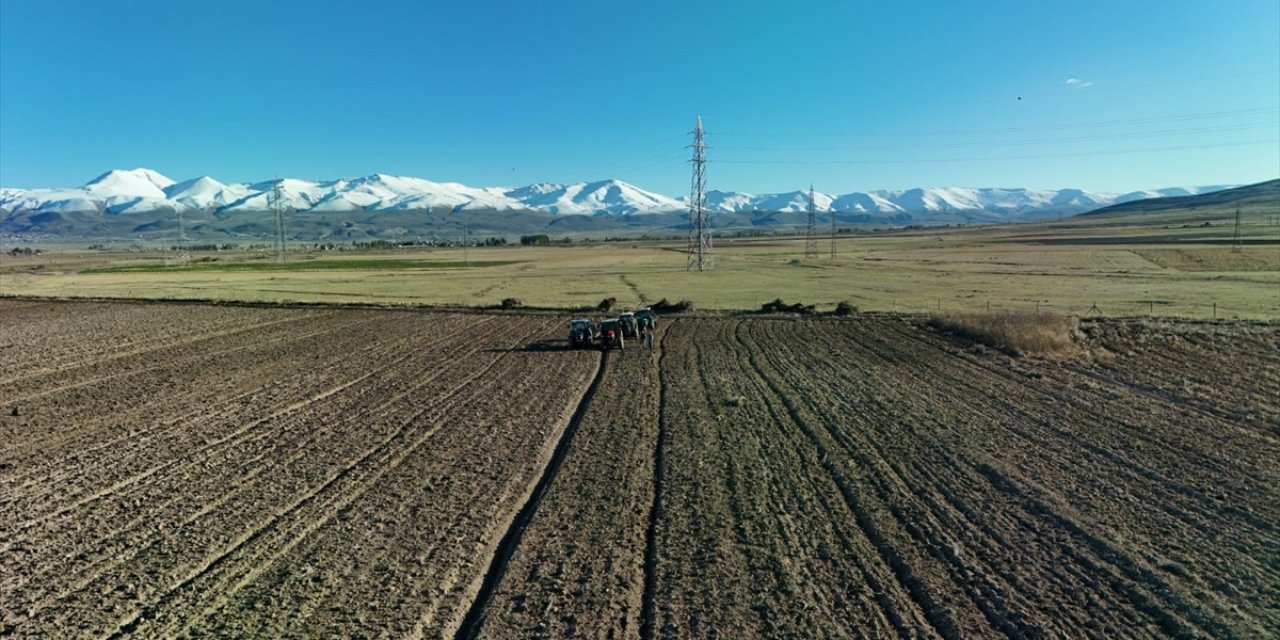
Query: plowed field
(871,479)
(180,470)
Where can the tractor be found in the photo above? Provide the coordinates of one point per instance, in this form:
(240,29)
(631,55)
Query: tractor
(611,334)
(630,328)
(582,333)
(647,318)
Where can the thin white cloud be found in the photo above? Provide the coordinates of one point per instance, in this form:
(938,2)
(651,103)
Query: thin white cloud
(1078,83)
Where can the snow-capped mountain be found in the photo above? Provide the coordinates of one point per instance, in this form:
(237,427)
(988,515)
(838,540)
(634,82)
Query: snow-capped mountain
(994,204)
(613,196)
(144,190)
(138,190)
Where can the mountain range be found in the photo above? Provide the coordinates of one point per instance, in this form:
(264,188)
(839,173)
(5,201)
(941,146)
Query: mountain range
(146,191)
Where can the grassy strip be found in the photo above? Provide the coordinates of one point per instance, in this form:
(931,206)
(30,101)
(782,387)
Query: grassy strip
(305,265)
(1015,332)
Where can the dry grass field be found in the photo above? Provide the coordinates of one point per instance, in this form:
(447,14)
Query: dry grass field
(1156,267)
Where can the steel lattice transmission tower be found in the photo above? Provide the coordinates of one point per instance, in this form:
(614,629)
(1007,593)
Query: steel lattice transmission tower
(811,237)
(1237,243)
(277,207)
(833,232)
(699,231)
(184,253)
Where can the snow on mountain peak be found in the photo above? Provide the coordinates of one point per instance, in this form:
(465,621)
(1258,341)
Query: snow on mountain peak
(597,197)
(140,190)
(138,182)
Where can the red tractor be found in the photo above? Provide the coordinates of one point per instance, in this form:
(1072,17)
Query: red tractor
(611,334)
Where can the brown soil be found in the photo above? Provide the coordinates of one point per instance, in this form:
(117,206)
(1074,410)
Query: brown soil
(185,470)
(580,567)
(873,479)
(316,474)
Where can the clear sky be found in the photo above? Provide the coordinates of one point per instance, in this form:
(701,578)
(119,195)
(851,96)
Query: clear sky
(1102,95)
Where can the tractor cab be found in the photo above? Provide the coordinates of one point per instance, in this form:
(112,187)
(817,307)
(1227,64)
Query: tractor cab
(611,334)
(582,332)
(630,328)
(646,318)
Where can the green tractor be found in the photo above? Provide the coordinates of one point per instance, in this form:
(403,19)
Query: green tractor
(647,319)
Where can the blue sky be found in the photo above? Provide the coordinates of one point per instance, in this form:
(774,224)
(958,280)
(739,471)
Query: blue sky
(849,96)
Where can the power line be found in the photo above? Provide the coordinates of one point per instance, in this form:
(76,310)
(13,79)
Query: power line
(1014,143)
(623,160)
(999,158)
(1050,127)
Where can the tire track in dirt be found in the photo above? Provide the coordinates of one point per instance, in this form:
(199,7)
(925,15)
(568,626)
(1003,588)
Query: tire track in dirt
(472,487)
(940,581)
(925,499)
(1037,442)
(181,425)
(862,478)
(497,565)
(92,441)
(579,567)
(249,469)
(51,338)
(456,385)
(145,349)
(139,441)
(940,619)
(1181,494)
(640,297)
(649,603)
(168,362)
(176,466)
(755,540)
(379,460)
(55,419)
(700,580)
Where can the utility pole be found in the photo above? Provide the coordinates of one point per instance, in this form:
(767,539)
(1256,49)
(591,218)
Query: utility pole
(833,233)
(699,233)
(184,255)
(466,240)
(811,239)
(277,197)
(1237,244)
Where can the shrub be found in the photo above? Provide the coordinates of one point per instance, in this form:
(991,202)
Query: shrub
(510,303)
(1013,332)
(663,307)
(778,306)
(845,309)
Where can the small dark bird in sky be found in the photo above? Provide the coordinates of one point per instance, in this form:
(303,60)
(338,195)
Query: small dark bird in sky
(1019,97)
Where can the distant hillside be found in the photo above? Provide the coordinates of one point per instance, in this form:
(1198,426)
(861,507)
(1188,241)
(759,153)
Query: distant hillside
(144,191)
(1253,196)
(141,205)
